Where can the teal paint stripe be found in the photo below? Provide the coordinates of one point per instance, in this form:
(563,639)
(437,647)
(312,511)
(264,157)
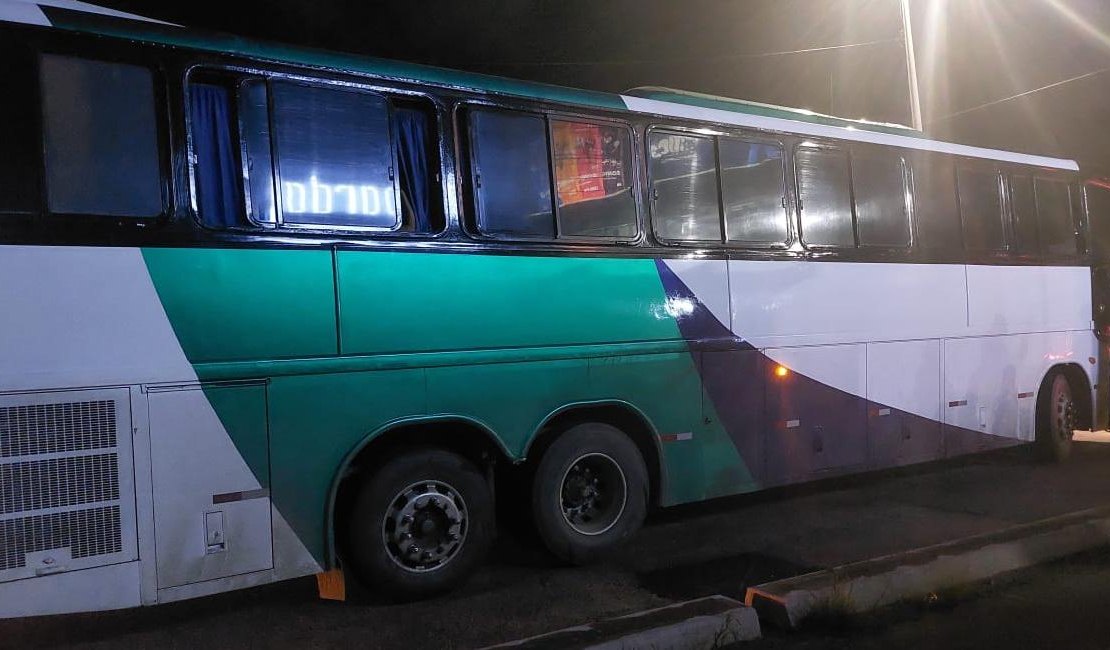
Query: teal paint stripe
(361,363)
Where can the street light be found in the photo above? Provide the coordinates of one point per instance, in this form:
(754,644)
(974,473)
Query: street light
(911,66)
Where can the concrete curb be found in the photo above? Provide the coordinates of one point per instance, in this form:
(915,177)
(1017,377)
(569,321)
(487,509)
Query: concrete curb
(870,584)
(704,623)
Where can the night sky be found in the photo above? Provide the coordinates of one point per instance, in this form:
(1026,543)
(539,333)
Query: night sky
(843,57)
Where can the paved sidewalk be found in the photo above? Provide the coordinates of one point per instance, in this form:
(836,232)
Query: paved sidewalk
(684,553)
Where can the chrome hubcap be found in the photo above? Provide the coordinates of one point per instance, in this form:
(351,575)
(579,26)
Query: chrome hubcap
(593,494)
(425,526)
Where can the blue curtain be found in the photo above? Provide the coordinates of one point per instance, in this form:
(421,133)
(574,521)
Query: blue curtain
(217,170)
(412,141)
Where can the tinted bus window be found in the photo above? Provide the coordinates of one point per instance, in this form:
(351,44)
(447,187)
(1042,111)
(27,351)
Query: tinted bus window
(20,141)
(101,139)
(935,211)
(593,179)
(753,187)
(684,187)
(254,121)
(334,157)
(1054,215)
(981,209)
(1098,216)
(513,174)
(1024,215)
(879,190)
(825,195)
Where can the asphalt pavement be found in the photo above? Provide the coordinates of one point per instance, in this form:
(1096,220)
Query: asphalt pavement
(720,547)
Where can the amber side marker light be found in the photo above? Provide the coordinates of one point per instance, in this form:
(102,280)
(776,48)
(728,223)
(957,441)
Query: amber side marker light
(781,371)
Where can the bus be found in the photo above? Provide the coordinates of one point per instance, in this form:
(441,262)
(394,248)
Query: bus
(271,312)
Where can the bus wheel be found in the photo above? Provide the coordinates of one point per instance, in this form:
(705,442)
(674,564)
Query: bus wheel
(420,524)
(1056,418)
(590,492)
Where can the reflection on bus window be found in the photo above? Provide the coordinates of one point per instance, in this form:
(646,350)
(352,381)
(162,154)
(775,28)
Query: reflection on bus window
(101,140)
(684,187)
(1024,214)
(826,206)
(880,194)
(981,209)
(1054,214)
(935,211)
(334,157)
(593,177)
(753,185)
(513,176)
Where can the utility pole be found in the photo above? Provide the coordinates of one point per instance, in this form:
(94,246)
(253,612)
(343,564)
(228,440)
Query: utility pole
(911,66)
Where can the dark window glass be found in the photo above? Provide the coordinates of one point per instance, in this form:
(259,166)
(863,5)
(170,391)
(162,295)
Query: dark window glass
(334,157)
(752,186)
(20,143)
(254,127)
(879,190)
(684,187)
(1098,216)
(825,196)
(593,180)
(1024,214)
(981,209)
(513,174)
(1054,214)
(935,212)
(101,138)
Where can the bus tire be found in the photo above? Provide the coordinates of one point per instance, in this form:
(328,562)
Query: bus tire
(1056,418)
(590,492)
(420,524)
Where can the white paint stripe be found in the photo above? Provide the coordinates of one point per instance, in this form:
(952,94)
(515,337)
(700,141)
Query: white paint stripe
(15,11)
(670,109)
(14,15)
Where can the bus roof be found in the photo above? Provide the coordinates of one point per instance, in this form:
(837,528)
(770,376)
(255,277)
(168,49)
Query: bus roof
(84,17)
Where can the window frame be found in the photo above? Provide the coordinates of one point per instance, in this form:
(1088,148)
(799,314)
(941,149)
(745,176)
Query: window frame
(716,133)
(821,145)
(473,227)
(879,152)
(159,98)
(242,73)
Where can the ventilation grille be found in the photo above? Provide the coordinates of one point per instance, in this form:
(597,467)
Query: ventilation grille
(53,428)
(85,532)
(57,482)
(60,481)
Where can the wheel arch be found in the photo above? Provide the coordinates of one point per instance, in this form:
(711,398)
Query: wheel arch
(623,415)
(466,436)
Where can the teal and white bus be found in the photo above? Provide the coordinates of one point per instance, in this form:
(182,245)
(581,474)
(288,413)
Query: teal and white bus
(269,312)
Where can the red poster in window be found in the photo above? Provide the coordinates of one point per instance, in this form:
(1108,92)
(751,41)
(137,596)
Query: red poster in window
(579,161)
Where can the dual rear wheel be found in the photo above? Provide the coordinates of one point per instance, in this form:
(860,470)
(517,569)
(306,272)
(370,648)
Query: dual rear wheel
(423,521)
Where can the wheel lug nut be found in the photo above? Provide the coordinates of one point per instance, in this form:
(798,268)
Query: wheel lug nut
(454,537)
(414,550)
(407,519)
(406,536)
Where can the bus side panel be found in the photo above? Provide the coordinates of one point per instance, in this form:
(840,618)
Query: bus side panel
(1014,299)
(315,421)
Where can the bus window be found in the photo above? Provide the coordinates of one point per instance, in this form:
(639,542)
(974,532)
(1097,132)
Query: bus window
(20,145)
(879,191)
(512,174)
(981,209)
(1024,214)
(753,187)
(1098,218)
(335,158)
(593,180)
(935,212)
(254,128)
(1054,214)
(684,187)
(101,138)
(824,197)
(218,173)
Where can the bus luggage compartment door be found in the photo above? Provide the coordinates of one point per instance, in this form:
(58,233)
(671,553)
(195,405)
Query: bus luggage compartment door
(210,471)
